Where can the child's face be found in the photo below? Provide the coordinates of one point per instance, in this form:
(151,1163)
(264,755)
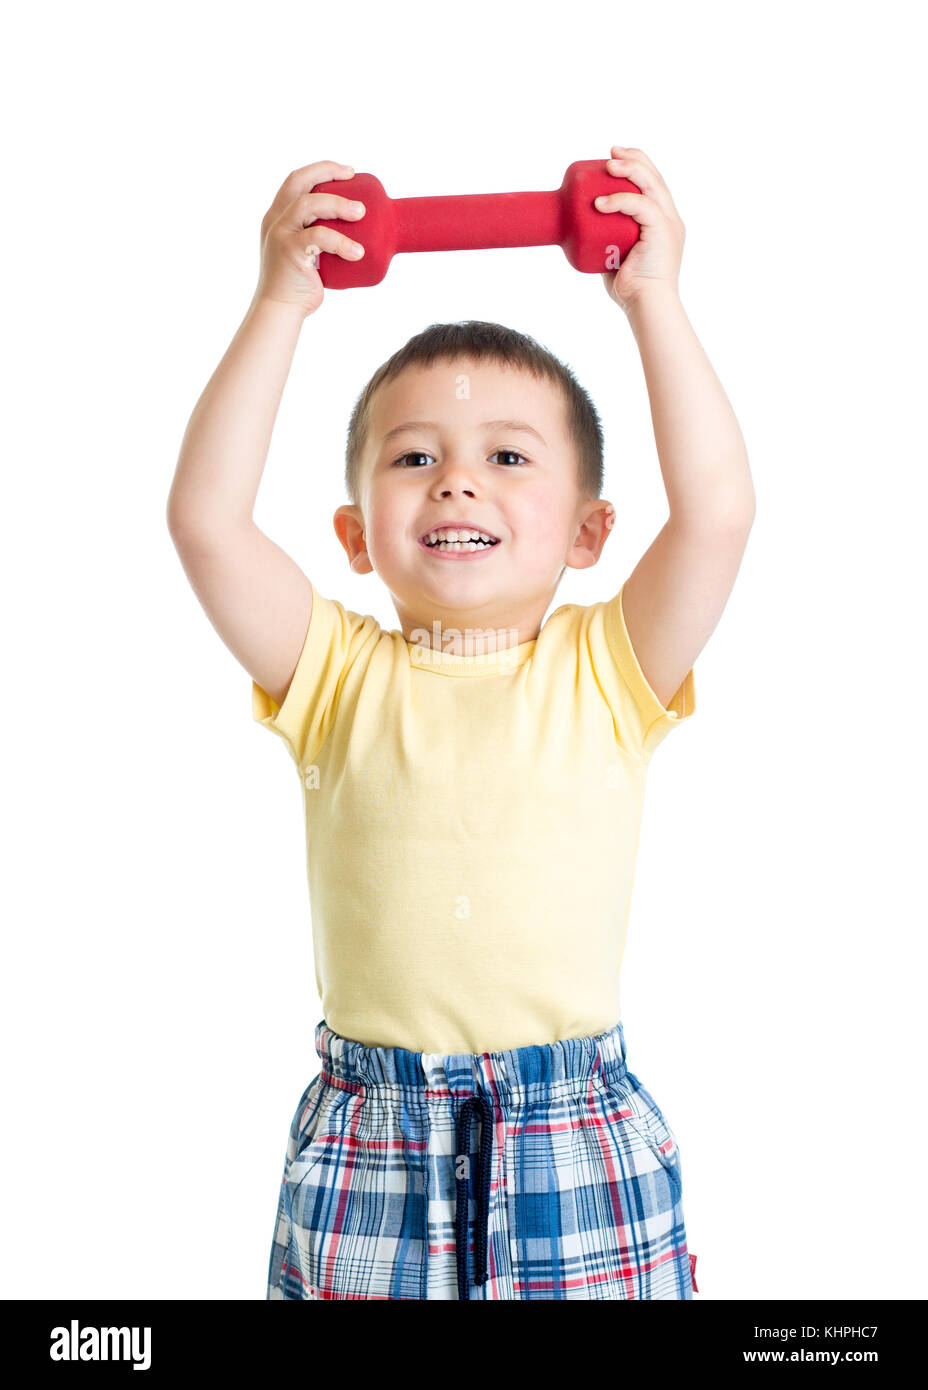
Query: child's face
(460,464)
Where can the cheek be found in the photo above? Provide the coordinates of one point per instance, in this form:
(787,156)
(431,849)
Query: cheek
(383,541)
(541,519)
(386,526)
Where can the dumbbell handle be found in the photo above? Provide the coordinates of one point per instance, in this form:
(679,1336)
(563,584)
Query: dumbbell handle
(489,220)
(566,217)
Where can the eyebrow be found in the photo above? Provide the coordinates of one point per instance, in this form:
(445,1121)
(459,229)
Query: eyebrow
(422,426)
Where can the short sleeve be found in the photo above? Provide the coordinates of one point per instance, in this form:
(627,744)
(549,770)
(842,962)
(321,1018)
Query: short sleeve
(337,642)
(642,722)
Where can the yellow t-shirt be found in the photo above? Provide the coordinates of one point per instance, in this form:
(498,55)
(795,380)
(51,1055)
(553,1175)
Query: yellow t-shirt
(471,825)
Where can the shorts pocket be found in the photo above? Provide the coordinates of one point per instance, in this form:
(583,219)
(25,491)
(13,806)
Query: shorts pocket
(638,1108)
(318,1125)
(355,1198)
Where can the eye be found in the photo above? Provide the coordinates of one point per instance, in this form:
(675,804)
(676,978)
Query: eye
(513,453)
(413,454)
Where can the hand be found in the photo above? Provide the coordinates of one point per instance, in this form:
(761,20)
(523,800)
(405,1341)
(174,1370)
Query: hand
(289,242)
(655,257)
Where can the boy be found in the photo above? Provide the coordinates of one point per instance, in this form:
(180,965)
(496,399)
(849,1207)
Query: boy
(473,781)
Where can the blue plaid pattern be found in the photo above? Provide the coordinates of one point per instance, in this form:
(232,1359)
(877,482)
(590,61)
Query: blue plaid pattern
(567,1184)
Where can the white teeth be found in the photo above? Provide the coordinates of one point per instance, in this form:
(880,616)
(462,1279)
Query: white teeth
(452,538)
(460,545)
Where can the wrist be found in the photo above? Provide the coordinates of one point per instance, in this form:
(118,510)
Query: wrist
(280,311)
(656,297)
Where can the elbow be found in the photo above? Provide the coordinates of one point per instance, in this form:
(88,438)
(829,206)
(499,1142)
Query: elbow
(744,519)
(184,528)
(177,524)
(174,512)
(194,533)
(729,516)
(734,514)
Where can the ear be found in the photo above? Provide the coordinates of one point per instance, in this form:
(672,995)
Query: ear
(349,527)
(595,524)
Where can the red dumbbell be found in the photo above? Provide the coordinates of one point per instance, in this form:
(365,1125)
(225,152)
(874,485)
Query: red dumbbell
(565,217)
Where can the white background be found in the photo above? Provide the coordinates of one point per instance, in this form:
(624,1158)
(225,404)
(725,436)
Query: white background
(158,1002)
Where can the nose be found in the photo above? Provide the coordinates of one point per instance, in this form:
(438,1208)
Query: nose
(454,478)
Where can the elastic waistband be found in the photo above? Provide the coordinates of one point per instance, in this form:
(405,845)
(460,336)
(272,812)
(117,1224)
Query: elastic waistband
(523,1074)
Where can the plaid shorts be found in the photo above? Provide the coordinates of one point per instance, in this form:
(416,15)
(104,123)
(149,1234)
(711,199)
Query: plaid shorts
(538,1172)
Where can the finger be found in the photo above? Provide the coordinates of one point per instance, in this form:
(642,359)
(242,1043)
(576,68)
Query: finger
(304,210)
(635,165)
(644,209)
(630,168)
(647,179)
(304,180)
(631,152)
(328,239)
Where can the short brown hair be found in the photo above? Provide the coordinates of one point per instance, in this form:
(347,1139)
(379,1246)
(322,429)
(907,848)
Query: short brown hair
(484,342)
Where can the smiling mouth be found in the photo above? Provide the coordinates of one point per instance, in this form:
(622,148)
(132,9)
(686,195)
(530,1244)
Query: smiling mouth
(458,540)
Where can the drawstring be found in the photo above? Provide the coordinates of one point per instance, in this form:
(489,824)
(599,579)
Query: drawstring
(480,1103)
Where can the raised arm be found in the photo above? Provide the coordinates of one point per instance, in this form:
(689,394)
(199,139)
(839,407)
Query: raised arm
(674,597)
(257,598)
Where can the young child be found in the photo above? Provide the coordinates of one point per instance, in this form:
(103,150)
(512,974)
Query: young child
(473,781)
